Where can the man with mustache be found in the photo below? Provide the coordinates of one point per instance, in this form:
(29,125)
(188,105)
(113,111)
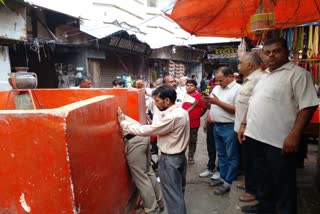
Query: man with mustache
(281,105)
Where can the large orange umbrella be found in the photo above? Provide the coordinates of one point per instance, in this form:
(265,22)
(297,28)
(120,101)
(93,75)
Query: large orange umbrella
(231,18)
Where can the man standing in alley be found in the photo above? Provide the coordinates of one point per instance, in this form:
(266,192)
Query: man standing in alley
(85,82)
(118,83)
(250,68)
(182,96)
(208,128)
(183,83)
(194,117)
(222,111)
(281,105)
(173,130)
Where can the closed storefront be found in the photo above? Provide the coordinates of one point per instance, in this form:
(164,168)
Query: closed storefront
(124,55)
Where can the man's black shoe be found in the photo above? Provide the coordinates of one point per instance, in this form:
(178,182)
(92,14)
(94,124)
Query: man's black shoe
(257,209)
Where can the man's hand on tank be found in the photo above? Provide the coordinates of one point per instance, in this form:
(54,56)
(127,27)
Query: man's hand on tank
(121,116)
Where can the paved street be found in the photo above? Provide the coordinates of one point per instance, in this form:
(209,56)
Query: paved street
(201,200)
(199,196)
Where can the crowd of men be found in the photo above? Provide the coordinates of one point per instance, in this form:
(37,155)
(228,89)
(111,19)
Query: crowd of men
(258,123)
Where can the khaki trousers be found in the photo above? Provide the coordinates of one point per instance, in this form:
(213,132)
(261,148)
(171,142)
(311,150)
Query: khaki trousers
(138,156)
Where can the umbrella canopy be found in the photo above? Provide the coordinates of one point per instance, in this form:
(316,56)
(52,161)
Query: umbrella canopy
(231,18)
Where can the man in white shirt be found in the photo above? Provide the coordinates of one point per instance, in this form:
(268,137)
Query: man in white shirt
(183,83)
(173,130)
(222,110)
(182,96)
(281,105)
(250,67)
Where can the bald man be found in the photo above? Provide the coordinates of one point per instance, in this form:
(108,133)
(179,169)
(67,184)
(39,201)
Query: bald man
(250,67)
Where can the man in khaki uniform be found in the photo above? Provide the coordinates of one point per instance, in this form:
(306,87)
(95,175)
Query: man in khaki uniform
(137,150)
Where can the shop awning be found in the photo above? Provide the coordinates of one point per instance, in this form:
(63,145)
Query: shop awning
(230,18)
(155,37)
(99,29)
(157,31)
(121,40)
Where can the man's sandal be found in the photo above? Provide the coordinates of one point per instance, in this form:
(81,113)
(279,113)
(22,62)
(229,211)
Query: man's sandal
(221,190)
(190,161)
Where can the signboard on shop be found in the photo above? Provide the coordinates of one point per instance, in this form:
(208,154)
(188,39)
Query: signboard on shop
(126,42)
(221,51)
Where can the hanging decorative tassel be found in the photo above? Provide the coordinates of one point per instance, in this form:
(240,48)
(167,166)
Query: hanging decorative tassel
(315,45)
(300,43)
(281,33)
(295,45)
(299,39)
(310,51)
(290,39)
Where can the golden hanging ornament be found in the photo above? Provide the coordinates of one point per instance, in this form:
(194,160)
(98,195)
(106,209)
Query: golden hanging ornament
(262,20)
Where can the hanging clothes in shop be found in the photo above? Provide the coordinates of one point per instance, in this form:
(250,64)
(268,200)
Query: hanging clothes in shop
(313,66)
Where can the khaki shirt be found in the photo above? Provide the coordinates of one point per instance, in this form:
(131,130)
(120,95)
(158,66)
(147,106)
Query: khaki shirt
(245,92)
(275,102)
(172,129)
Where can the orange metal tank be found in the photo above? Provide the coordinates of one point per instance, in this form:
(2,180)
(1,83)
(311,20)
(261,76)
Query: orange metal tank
(67,154)
(316,116)
(313,128)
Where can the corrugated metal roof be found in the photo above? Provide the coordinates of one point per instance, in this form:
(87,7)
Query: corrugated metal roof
(157,31)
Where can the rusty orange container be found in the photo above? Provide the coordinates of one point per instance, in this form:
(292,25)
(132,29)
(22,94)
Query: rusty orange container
(67,154)
(313,128)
